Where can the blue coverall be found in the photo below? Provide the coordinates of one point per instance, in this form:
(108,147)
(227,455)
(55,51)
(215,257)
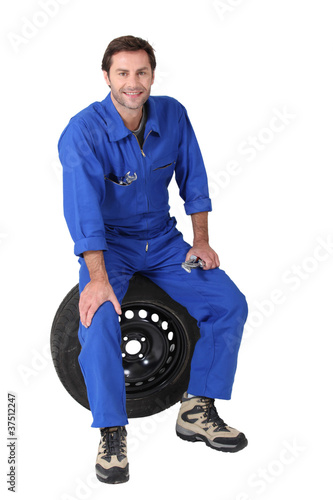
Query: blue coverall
(131,223)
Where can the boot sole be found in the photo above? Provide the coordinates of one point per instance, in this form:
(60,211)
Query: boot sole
(193,437)
(115,475)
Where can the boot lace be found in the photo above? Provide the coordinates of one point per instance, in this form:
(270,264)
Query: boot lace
(210,412)
(113,441)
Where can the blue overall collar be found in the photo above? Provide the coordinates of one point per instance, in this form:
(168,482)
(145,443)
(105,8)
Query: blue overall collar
(115,125)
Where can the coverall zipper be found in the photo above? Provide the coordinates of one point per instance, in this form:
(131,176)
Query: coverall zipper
(143,154)
(141,148)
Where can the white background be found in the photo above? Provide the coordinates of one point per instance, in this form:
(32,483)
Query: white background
(234,65)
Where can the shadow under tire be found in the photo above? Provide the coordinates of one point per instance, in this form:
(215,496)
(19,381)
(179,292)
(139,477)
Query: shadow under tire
(158,340)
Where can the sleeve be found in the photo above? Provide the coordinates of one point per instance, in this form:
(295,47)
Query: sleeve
(190,172)
(83,188)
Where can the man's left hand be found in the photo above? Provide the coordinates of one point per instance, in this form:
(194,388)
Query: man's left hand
(205,253)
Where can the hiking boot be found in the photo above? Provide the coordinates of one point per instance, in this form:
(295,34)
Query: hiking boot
(111,461)
(198,420)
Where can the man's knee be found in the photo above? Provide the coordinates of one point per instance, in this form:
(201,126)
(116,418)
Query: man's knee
(234,320)
(237,305)
(104,325)
(242,306)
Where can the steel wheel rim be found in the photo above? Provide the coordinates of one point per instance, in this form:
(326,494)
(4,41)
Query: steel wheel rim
(153,347)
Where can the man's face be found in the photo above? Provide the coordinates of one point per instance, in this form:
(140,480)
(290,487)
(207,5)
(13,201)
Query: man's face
(130,78)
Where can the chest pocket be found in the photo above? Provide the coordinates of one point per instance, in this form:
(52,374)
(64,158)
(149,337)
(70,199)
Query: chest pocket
(120,194)
(160,176)
(164,166)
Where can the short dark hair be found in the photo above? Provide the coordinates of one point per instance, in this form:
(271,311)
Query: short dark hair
(127,43)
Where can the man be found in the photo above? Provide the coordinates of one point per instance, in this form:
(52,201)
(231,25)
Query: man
(118,157)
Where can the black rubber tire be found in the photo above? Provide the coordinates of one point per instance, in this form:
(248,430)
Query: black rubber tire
(143,397)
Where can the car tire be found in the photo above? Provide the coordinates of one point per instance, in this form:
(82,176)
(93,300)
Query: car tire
(158,340)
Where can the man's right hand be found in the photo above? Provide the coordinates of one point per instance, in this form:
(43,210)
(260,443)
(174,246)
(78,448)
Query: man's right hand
(94,294)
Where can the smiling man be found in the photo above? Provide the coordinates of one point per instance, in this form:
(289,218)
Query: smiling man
(118,158)
(129,94)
